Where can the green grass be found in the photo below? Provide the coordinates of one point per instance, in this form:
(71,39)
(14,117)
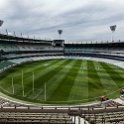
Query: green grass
(68,81)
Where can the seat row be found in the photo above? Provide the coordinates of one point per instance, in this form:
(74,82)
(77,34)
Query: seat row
(110,117)
(43,118)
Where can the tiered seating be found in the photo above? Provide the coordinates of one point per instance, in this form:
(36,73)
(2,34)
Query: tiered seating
(5,64)
(104,116)
(35,47)
(7,46)
(11,112)
(41,118)
(107,117)
(22,48)
(109,50)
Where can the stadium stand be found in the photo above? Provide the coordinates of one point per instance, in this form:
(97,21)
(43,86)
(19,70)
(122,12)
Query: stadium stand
(5,64)
(12,47)
(42,116)
(104,116)
(110,50)
(16,50)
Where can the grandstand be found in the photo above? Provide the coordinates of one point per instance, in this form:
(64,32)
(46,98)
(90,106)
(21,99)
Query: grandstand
(110,50)
(16,50)
(12,47)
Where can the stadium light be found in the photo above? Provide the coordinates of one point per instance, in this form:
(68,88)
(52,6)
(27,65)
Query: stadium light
(6,32)
(1,23)
(14,34)
(112,28)
(60,32)
(21,35)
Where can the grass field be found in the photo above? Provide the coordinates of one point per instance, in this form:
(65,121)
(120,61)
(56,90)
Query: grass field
(64,81)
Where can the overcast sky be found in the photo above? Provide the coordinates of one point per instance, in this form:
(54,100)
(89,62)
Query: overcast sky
(84,20)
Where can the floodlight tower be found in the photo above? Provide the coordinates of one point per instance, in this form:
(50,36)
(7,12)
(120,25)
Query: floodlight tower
(60,32)
(1,23)
(112,28)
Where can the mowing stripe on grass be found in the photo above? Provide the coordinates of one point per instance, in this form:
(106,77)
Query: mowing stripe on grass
(66,84)
(17,74)
(94,83)
(45,75)
(118,70)
(39,66)
(51,80)
(39,73)
(84,79)
(32,68)
(50,73)
(105,80)
(110,84)
(27,83)
(93,76)
(108,81)
(115,76)
(28,76)
(78,92)
(54,82)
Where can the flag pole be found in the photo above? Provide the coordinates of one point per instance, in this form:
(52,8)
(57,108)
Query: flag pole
(23,93)
(13,86)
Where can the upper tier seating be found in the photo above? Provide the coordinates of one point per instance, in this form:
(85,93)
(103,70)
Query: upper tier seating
(10,46)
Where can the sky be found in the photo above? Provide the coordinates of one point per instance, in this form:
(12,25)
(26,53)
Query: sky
(80,20)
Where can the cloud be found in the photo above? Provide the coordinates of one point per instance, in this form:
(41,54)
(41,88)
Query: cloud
(80,20)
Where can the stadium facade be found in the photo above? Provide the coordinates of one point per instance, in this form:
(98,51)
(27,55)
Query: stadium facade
(20,49)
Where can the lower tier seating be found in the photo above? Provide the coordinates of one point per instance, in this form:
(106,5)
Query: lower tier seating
(4,64)
(105,117)
(37,118)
